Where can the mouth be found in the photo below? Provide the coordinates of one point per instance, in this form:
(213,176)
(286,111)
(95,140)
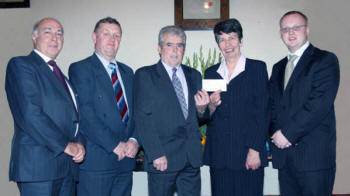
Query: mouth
(229,50)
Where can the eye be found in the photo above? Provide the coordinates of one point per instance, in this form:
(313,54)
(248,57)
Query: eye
(221,40)
(169,44)
(180,45)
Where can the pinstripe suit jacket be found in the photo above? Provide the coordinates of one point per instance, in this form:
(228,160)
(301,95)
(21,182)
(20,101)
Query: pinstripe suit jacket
(240,122)
(304,111)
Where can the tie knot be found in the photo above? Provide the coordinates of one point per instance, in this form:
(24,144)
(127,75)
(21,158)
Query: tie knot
(52,63)
(174,70)
(292,58)
(112,66)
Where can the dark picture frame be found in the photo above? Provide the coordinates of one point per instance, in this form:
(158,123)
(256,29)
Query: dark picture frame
(14,3)
(200,24)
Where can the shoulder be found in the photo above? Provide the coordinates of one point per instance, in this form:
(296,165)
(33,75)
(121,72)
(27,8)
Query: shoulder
(323,54)
(125,67)
(190,70)
(255,64)
(212,68)
(146,69)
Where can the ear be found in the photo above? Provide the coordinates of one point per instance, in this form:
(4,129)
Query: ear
(94,37)
(307,31)
(241,43)
(159,49)
(33,38)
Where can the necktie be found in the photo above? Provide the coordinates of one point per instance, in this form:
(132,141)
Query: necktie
(119,96)
(60,77)
(289,69)
(179,93)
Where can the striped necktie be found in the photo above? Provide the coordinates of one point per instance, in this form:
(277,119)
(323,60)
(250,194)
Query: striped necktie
(180,93)
(119,95)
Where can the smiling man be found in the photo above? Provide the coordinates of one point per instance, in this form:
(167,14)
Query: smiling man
(46,145)
(303,89)
(105,98)
(168,99)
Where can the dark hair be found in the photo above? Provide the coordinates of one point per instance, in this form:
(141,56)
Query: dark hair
(228,26)
(294,12)
(109,20)
(171,30)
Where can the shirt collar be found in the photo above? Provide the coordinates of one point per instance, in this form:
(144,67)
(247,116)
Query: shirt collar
(169,68)
(105,62)
(240,67)
(300,51)
(43,56)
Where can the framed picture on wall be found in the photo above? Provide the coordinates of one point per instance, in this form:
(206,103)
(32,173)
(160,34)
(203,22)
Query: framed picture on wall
(200,14)
(14,3)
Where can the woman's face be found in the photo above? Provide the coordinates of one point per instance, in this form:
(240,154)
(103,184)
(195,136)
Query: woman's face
(230,45)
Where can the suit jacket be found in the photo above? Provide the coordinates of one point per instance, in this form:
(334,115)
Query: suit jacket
(44,121)
(159,121)
(241,121)
(100,117)
(304,111)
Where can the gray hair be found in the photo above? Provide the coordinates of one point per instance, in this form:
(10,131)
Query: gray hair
(36,25)
(174,30)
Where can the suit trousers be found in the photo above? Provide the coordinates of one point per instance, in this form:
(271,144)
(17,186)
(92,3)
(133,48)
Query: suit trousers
(60,187)
(305,183)
(227,182)
(105,183)
(187,182)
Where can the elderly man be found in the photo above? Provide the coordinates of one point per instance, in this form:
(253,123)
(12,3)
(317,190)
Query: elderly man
(167,102)
(105,98)
(303,89)
(46,145)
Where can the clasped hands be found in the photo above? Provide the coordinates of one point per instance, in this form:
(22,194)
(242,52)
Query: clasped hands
(280,140)
(203,100)
(76,150)
(126,149)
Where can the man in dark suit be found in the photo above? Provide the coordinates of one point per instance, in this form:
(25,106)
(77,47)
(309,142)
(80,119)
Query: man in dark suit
(303,89)
(167,102)
(105,92)
(46,144)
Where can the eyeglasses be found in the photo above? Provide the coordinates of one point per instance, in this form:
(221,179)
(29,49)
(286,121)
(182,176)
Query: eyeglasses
(295,28)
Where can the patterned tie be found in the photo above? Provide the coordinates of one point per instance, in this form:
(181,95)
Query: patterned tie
(60,77)
(179,92)
(119,96)
(289,69)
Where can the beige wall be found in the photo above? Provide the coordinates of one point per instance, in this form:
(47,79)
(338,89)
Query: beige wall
(141,21)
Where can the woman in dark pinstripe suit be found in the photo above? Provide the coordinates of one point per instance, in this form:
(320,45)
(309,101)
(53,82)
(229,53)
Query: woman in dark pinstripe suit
(237,126)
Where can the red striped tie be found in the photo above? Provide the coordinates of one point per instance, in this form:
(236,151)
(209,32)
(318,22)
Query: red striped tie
(119,97)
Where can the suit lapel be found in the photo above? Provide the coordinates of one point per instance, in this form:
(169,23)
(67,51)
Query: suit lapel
(191,88)
(168,91)
(102,76)
(301,65)
(50,75)
(127,82)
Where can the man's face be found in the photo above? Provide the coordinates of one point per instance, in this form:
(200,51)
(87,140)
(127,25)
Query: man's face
(172,50)
(107,40)
(230,45)
(49,38)
(294,31)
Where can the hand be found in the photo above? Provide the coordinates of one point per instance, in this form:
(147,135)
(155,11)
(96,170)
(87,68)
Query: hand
(215,101)
(280,140)
(71,149)
(202,100)
(75,150)
(120,150)
(131,148)
(161,164)
(253,160)
(79,157)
